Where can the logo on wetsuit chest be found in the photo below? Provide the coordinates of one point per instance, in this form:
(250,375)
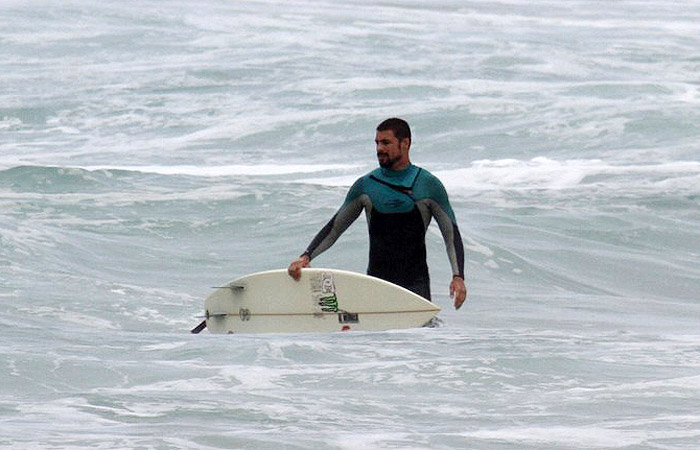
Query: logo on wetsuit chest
(395,203)
(398,204)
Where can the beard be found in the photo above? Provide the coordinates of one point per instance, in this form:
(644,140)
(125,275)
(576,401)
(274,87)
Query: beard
(385,161)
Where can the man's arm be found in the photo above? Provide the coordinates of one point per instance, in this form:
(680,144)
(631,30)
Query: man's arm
(441,209)
(455,252)
(346,215)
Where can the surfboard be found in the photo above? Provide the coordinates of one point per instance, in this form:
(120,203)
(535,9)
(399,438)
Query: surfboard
(322,300)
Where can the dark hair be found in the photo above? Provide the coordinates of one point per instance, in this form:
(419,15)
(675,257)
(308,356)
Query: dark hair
(398,126)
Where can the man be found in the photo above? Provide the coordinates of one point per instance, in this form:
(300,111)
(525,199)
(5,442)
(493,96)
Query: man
(399,200)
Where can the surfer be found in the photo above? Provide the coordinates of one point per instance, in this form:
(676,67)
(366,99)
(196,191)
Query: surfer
(399,200)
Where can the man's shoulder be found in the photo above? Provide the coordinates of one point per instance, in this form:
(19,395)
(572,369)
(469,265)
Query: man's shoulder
(359,186)
(429,186)
(427,176)
(371,173)
(361,181)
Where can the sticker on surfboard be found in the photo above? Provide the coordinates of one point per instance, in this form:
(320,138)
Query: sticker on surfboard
(323,293)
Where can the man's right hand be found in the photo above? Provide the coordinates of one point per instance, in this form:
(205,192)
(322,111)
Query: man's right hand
(294,269)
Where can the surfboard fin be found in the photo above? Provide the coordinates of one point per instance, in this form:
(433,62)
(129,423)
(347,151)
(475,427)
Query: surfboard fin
(199,327)
(233,287)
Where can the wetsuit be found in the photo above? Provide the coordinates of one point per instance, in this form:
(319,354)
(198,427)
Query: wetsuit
(399,206)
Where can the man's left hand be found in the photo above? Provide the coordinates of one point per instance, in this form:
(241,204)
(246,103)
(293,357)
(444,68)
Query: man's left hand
(458,291)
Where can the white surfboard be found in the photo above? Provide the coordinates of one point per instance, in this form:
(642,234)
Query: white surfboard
(322,300)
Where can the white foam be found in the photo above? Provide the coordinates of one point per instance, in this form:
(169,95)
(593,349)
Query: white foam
(587,436)
(63,412)
(163,346)
(648,388)
(82,319)
(549,174)
(253,377)
(343,181)
(121,199)
(373,440)
(543,173)
(226,170)
(590,437)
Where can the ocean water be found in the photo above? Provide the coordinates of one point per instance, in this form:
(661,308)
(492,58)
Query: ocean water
(151,150)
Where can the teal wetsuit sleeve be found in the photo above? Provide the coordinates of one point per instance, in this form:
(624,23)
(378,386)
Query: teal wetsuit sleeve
(346,215)
(442,211)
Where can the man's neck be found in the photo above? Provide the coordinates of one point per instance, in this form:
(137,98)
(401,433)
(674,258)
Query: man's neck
(402,165)
(396,173)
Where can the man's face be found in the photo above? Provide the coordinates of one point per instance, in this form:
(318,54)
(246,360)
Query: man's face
(390,152)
